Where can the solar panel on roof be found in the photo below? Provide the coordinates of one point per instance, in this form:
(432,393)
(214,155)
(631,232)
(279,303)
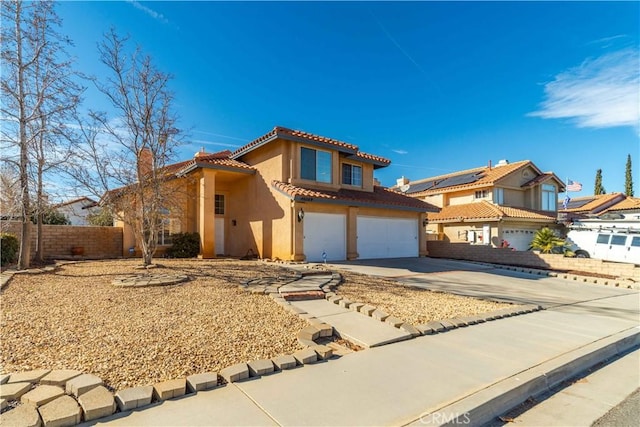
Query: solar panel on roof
(421,186)
(574,204)
(466,178)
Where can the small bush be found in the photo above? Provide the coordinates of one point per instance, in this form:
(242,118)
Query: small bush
(9,249)
(185,245)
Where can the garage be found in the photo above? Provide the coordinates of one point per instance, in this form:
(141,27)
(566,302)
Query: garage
(387,237)
(519,239)
(325,233)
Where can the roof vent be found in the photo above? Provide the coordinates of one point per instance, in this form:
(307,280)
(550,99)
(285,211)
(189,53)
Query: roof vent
(502,162)
(402,181)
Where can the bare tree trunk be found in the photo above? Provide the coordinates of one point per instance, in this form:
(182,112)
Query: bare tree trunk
(24,260)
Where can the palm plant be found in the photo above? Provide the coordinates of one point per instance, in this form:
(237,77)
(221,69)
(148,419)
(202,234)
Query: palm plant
(547,241)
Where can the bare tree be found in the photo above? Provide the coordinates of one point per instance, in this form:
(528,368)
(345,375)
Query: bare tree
(38,93)
(125,158)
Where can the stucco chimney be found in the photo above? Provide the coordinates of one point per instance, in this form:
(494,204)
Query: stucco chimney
(402,181)
(145,161)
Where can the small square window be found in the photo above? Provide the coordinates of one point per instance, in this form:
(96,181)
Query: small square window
(351,175)
(219,204)
(480,194)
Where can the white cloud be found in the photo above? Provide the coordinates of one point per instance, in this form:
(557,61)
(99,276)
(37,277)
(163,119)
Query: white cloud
(152,13)
(400,151)
(599,93)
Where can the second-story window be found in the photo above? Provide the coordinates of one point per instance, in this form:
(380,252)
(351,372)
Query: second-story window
(315,165)
(351,175)
(480,194)
(498,196)
(549,197)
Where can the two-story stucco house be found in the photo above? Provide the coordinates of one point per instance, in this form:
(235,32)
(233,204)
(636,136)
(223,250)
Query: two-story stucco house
(490,204)
(294,196)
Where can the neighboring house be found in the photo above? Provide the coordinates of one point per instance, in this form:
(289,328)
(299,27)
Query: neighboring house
(506,203)
(629,208)
(77,210)
(296,196)
(587,206)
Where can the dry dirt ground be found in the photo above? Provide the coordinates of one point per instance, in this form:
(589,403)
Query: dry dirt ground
(413,305)
(74,318)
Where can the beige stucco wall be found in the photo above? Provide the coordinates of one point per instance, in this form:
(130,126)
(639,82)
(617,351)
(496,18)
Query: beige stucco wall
(258,218)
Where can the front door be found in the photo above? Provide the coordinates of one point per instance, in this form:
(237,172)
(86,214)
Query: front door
(219,236)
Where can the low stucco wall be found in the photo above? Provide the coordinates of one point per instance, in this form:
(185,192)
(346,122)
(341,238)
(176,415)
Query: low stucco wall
(97,242)
(481,253)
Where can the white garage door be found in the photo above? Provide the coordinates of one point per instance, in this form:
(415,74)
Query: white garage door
(519,239)
(387,237)
(325,233)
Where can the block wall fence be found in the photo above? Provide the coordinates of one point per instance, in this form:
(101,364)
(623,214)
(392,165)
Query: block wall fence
(97,242)
(481,253)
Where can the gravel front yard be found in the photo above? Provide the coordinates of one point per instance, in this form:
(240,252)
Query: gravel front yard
(413,305)
(75,319)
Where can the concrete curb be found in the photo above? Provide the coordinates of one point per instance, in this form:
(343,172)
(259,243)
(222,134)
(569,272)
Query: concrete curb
(486,404)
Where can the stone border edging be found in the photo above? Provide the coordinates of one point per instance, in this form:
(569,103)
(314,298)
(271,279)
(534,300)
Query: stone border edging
(621,283)
(432,327)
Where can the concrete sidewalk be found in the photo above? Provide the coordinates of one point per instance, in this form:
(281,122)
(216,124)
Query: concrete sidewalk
(476,370)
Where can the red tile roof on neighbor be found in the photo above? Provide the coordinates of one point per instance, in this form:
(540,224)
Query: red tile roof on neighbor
(591,204)
(630,203)
(486,211)
(285,133)
(484,176)
(380,197)
(91,202)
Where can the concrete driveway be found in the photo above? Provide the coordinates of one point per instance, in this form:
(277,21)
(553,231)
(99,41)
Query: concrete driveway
(482,281)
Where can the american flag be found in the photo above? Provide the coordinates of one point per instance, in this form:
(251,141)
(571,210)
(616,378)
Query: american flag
(573,186)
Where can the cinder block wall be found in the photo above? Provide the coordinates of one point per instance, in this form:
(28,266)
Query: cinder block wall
(481,253)
(97,242)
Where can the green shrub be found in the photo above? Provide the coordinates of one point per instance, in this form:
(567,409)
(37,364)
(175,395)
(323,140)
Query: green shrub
(9,249)
(185,245)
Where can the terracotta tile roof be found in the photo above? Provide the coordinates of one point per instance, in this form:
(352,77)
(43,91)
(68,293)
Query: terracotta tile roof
(540,179)
(285,133)
(219,160)
(478,177)
(630,203)
(486,211)
(366,156)
(380,197)
(590,204)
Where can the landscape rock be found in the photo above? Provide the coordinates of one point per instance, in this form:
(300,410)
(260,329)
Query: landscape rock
(30,377)
(81,384)
(204,381)
(97,403)
(170,389)
(23,416)
(61,412)
(42,394)
(135,397)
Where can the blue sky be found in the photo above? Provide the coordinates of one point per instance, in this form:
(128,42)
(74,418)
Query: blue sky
(434,86)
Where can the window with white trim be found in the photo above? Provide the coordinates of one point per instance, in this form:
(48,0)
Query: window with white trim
(480,194)
(351,174)
(549,198)
(315,165)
